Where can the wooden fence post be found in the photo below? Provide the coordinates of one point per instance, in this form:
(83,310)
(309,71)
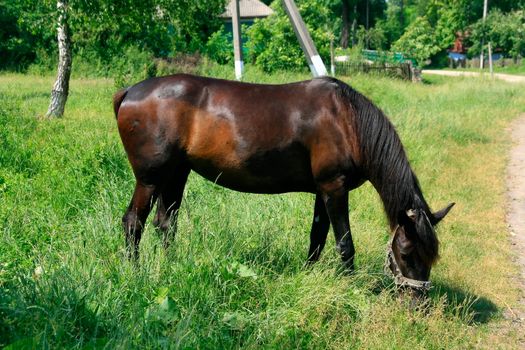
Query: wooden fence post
(415,72)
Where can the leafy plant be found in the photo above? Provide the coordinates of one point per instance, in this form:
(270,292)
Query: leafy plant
(220,47)
(133,66)
(418,41)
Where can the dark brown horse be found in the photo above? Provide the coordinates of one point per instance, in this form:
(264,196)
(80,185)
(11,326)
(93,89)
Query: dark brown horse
(317,136)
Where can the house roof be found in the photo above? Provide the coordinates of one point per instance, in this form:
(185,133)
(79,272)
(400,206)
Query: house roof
(248,9)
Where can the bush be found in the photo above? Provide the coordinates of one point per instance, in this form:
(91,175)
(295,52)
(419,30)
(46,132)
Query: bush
(182,63)
(133,66)
(220,47)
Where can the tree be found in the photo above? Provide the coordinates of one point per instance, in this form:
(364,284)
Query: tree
(506,32)
(418,41)
(451,19)
(391,25)
(61,87)
(373,38)
(345,24)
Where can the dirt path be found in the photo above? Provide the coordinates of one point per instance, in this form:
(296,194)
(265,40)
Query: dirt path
(452,73)
(516,212)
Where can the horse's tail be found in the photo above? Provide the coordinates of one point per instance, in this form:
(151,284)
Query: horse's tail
(117,100)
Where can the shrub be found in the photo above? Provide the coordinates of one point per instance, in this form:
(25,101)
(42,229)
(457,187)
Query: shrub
(220,47)
(182,63)
(134,65)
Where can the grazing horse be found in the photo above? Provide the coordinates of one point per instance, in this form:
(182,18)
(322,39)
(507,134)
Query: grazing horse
(318,136)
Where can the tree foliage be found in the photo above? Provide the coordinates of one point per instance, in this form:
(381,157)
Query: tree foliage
(160,26)
(272,43)
(25,31)
(104,29)
(506,32)
(391,24)
(105,33)
(418,41)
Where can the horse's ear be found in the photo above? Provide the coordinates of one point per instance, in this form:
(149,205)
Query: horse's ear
(440,214)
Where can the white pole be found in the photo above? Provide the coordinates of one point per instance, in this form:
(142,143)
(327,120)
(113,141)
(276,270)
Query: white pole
(237,41)
(481,58)
(332,59)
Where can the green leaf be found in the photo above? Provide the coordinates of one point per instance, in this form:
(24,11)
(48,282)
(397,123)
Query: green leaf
(235,320)
(162,293)
(245,272)
(241,270)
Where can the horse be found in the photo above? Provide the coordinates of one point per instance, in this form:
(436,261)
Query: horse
(319,136)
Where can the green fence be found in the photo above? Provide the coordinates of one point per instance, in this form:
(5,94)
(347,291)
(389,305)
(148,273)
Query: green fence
(387,57)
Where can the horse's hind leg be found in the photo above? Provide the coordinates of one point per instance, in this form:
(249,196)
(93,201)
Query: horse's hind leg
(168,204)
(320,227)
(136,215)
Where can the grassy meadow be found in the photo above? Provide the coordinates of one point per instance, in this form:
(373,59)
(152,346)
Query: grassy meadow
(236,277)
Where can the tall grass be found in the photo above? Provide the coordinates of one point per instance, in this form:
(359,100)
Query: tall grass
(235,278)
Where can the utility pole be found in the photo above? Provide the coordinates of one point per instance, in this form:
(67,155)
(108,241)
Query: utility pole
(315,62)
(485,6)
(237,41)
(332,58)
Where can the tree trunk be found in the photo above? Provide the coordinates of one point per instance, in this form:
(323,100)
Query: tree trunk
(402,14)
(367,22)
(344,26)
(354,26)
(61,87)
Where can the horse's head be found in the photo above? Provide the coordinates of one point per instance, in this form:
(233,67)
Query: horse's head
(414,249)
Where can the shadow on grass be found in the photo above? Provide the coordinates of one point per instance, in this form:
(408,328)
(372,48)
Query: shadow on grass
(36,94)
(467,306)
(482,309)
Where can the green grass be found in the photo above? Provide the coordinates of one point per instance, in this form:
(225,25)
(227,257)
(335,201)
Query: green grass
(236,277)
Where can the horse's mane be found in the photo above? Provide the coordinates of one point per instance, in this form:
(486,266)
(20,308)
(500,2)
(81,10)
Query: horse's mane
(386,165)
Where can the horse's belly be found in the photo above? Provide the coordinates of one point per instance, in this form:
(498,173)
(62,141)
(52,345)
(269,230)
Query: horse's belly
(272,179)
(249,166)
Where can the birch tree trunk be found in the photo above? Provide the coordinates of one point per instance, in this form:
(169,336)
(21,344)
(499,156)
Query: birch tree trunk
(61,86)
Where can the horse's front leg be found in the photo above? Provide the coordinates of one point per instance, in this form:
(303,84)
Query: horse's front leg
(335,197)
(320,227)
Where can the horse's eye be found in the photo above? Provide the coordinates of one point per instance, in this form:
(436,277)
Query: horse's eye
(404,257)
(406,249)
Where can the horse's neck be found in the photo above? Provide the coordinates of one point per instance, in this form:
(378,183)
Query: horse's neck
(399,190)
